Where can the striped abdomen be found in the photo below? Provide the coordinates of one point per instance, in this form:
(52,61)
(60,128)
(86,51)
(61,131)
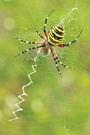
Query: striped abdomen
(55,35)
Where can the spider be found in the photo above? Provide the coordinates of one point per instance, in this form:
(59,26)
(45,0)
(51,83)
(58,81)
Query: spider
(53,38)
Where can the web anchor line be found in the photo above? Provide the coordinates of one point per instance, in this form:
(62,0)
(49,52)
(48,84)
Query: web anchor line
(23,92)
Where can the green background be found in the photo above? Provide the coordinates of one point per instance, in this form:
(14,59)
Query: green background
(54,105)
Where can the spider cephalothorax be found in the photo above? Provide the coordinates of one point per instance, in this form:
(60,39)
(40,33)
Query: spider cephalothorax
(53,38)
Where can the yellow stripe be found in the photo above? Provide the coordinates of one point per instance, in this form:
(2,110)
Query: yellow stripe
(49,41)
(57,34)
(55,40)
(59,29)
(50,32)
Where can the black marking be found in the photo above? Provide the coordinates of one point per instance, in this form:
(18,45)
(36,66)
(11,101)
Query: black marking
(59,32)
(56,34)
(56,63)
(74,41)
(53,41)
(33,47)
(22,40)
(46,20)
(57,37)
(54,59)
(59,27)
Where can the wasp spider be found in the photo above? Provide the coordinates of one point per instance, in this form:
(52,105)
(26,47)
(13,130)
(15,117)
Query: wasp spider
(51,39)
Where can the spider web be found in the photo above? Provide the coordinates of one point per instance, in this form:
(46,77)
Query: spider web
(46,104)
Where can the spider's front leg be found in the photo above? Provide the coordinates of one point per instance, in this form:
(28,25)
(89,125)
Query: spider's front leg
(39,34)
(46,20)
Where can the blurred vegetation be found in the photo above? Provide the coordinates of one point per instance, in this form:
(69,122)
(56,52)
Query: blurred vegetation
(54,105)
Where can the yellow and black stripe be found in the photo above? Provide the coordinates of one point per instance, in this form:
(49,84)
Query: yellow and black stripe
(55,35)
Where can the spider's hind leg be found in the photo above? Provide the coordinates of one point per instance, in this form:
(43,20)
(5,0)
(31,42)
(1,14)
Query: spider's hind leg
(56,62)
(62,63)
(55,59)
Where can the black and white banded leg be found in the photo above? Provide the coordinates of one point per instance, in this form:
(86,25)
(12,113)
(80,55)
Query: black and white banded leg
(55,59)
(62,63)
(39,34)
(28,42)
(56,63)
(31,48)
(46,20)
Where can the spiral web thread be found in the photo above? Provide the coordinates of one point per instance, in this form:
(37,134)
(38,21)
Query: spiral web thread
(23,92)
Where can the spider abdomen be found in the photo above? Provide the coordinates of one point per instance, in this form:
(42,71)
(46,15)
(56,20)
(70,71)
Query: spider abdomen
(55,35)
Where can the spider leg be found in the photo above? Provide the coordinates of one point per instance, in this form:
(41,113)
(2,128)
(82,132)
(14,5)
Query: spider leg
(32,48)
(62,63)
(28,42)
(39,34)
(72,42)
(46,20)
(55,60)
